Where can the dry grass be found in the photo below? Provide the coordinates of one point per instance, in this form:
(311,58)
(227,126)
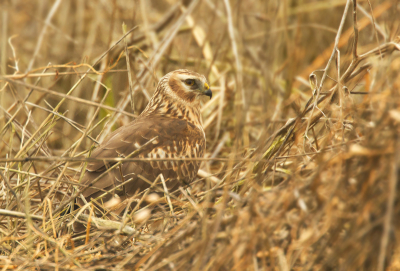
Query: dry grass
(301,171)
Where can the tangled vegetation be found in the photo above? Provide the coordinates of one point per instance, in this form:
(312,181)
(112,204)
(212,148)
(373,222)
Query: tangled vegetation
(303,133)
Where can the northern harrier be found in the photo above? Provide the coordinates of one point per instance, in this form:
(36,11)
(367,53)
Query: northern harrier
(173,117)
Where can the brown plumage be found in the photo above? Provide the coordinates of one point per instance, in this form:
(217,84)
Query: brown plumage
(173,116)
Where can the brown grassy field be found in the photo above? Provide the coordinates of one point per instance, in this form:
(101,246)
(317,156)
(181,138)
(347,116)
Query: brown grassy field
(303,133)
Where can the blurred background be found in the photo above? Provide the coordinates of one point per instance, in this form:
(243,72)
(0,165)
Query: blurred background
(64,72)
(262,52)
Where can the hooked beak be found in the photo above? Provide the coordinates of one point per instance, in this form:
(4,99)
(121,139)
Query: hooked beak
(208,91)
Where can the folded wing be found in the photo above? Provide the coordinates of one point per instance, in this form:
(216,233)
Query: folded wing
(176,139)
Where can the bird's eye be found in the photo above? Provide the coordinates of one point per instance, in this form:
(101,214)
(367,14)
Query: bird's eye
(189,82)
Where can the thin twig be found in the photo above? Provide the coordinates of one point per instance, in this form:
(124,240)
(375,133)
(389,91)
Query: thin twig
(19,214)
(319,89)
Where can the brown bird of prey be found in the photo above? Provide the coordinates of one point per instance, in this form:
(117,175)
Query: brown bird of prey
(173,118)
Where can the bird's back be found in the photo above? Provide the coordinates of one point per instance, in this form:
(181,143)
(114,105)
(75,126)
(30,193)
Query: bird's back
(175,139)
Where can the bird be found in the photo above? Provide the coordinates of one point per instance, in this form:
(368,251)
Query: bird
(169,127)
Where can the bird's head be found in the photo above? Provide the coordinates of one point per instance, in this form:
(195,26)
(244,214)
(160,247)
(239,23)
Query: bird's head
(186,85)
(178,94)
